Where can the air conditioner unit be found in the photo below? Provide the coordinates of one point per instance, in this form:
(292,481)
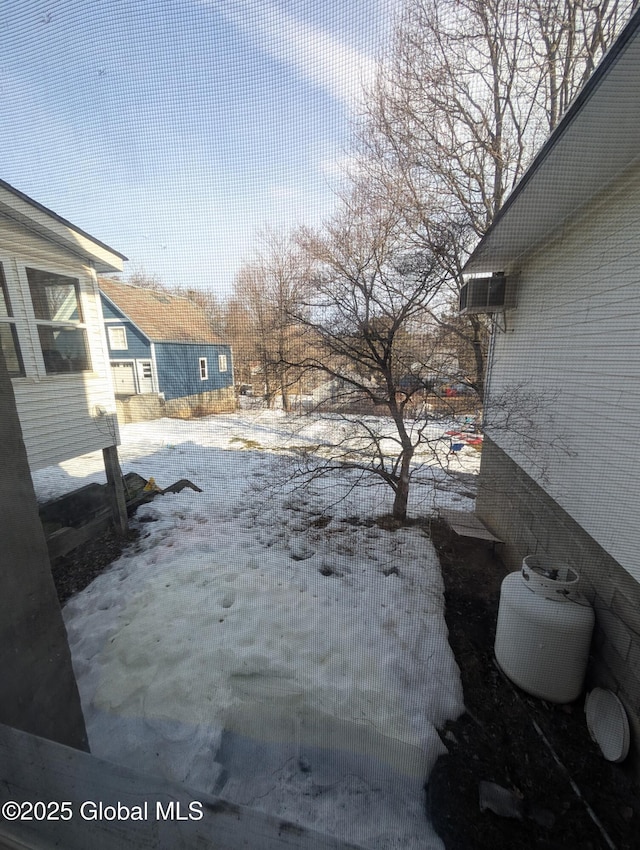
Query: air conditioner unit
(483,295)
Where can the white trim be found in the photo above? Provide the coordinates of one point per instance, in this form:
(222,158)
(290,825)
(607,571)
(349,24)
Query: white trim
(203,362)
(115,345)
(134,372)
(154,372)
(82,278)
(140,364)
(593,146)
(121,311)
(10,321)
(32,215)
(223,364)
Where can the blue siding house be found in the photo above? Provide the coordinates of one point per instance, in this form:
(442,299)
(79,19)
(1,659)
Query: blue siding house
(165,358)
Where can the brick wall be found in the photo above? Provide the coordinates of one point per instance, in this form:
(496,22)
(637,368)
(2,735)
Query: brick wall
(532,523)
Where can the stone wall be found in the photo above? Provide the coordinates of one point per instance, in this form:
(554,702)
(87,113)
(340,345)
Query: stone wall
(140,408)
(532,523)
(202,404)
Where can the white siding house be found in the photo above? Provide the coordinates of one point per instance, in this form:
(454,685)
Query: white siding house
(51,330)
(565,483)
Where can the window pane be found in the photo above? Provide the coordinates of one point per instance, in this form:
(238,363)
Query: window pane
(11,349)
(54,296)
(118,339)
(63,349)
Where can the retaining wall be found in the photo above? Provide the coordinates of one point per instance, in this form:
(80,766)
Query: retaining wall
(140,408)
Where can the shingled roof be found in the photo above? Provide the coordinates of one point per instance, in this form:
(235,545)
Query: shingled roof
(159,315)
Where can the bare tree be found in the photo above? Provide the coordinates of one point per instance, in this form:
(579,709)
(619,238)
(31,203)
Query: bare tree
(266,298)
(467,95)
(144,280)
(209,303)
(240,332)
(364,311)
(205,299)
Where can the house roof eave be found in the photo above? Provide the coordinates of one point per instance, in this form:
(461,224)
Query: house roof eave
(126,318)
(158,341)
(48,224)
(592,146)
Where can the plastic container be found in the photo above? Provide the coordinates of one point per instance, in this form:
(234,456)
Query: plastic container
(544,630)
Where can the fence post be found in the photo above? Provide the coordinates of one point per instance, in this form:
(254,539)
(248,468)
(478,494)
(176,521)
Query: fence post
(115,488)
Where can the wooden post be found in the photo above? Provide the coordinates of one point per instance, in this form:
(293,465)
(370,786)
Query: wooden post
(115,488)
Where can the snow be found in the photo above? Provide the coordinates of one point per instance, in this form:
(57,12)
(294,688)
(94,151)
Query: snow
(269,644)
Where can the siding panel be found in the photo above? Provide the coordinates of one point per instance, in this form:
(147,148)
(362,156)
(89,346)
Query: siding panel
(179,368)
(573,344)
(60,415)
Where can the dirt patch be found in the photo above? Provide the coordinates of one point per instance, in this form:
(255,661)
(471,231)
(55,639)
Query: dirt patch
(496,740)
(73,572)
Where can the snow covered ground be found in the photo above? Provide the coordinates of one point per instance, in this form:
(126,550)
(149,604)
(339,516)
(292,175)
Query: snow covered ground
(267,644)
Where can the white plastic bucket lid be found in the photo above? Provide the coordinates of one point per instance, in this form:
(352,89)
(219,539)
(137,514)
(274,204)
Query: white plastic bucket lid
(608,724)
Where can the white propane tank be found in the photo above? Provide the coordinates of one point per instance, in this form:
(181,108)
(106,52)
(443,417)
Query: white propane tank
(544,630)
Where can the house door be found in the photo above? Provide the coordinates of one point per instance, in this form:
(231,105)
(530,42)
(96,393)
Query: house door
(123,376)
(145,378)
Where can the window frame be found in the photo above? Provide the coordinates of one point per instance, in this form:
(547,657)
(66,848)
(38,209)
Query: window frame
(9,321)
(203,369)
(73,277)
(112,345)
(223,363)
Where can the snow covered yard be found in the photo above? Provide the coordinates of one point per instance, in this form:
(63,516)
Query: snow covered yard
(270,645)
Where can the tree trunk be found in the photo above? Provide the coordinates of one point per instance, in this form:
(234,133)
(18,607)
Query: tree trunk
(284,395)
(285,398)
(401,500)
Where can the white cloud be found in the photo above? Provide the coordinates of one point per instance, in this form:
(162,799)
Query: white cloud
(322,57)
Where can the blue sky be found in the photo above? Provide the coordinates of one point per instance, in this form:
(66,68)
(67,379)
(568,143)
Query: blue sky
(175,130)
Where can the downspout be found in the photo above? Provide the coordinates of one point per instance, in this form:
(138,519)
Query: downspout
(490,359)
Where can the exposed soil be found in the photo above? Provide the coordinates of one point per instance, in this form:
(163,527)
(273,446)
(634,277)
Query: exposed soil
(496,740)
(73,572)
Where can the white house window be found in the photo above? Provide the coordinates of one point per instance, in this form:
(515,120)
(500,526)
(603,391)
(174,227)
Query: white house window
(61,329)
(8,335)
(222,362)
(204,371)
(117,338)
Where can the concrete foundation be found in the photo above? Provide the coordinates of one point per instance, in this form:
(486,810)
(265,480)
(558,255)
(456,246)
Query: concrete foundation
(203,404)
(140,408)
(532,523)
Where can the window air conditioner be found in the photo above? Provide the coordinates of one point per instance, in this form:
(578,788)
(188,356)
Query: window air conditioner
(483,295)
